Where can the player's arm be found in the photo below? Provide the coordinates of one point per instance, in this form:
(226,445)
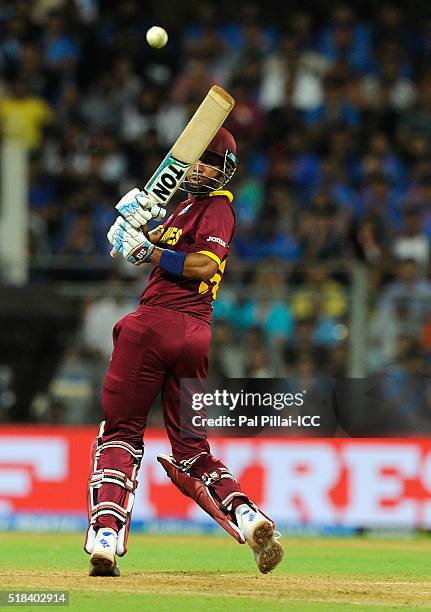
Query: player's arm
(195,265)
(211,245)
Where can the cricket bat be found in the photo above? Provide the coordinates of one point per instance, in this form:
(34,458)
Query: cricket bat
(189,146)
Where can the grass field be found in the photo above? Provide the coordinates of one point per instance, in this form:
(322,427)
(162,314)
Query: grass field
(197,573)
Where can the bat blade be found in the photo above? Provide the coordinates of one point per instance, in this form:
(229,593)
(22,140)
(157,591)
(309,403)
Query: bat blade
(204,125)
(188,148)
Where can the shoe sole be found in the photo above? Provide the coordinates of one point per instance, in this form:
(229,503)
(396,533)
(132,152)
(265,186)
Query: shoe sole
(103,566)
(270,552)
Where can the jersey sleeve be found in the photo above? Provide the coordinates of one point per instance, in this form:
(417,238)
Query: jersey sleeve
(216,229)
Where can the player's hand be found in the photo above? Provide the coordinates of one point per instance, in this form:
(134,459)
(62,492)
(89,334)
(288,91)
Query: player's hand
(138,207)
(130,242)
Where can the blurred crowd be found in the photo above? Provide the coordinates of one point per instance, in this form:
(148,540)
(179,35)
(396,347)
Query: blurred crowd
(333,124)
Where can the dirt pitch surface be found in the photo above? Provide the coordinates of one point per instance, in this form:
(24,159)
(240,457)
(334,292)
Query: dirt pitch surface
(211,573)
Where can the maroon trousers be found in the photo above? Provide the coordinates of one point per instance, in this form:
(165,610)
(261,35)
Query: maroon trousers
(153,349)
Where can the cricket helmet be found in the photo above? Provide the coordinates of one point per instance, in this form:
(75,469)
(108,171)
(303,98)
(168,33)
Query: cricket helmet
(220,154)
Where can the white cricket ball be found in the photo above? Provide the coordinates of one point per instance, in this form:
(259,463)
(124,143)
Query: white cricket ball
(157,37)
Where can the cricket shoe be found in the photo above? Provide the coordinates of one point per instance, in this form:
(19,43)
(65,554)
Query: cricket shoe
(261,537)
(102,560)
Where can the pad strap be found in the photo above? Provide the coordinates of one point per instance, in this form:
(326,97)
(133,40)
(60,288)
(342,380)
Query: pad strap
(135,452)
(212,477)
(114,477)
(186,464)
(109,508)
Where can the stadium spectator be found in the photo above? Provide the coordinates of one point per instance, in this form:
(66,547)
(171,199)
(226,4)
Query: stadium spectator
(266,307)
(411,290)
(227,359)
(368,240)
(61,50)
(319,294)
(23,116)
(347,39)
(100,315)
(387,334)
(320,236)
(389,89)
(259,365)
(336,107)
(380,158)
(291,77)
(412,242)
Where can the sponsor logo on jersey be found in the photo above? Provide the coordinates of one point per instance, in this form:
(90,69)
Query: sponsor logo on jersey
(216,239)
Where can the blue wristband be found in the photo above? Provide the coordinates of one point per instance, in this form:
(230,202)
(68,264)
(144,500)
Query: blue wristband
(172,262)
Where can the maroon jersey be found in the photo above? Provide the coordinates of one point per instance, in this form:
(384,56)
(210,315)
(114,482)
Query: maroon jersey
(197,226)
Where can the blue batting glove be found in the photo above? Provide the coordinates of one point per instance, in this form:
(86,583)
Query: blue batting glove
(138,207)
(130,242)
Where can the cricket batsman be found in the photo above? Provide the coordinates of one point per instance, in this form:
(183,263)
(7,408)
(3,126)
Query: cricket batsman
(165,339)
